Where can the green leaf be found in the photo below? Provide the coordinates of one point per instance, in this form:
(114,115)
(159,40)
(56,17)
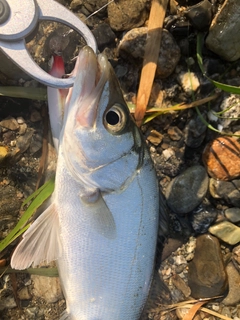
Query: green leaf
(22,92)
(38,198)
(46,272)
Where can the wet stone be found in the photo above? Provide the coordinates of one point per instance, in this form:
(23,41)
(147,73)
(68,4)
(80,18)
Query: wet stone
(202,217)
(227,190)
(226,231)
(206,276)
(233,296)
(185,192)
(221,158)
(9,123)
(133,44)
(233,214)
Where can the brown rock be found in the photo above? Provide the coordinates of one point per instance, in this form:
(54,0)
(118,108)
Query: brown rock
(207,277)
(233,296)
(221,158)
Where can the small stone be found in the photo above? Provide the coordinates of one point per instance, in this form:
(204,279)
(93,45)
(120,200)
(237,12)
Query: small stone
(7,303)
(221,158)
(226,231)
(233,214)
(227,190)
(236,254)
(125,14)
(22,129)
(35,116)
(133,44)
(23,142)
(9,123)
(206,276)
(24,294)
(223,37)
(185,192)
(181,285)
(168,153)
(20,120)
(189,82)
(200,15)
(47,288)
(3,153)
(195,132)
(233,296)
(202,217)
(104,35)
(155,137)
(174,133)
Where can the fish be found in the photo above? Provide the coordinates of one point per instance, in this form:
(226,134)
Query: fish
(102,224)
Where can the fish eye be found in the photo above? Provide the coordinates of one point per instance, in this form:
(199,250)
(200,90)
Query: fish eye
(115,119)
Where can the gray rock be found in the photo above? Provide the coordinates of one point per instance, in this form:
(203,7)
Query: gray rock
(231,107)
(127,14)
(226,231)
(133,44)
(206,276)
(7,303)
(23,141)
(104,36)
(233,296)
(227,190)
(233,214)
(224,36)
(185,192)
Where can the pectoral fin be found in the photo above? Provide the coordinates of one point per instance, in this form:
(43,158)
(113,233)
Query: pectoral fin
(40,242)
(101,217)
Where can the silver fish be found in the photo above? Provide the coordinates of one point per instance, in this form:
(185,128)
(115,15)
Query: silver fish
(102,223)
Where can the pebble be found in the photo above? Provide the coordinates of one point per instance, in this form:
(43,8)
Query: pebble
(181,285)
(226,231)
(206,276)
(236,254)
(155,137)
(3,154)
(185,192)
(221,158)
(195,132)
(9,123)
(7,303)
(233,214)
(22,129)
(200,15)
(133,44)
(127,14)
(23,141)
(227,190)
(35,116)
(233,296)
(174,133)
(189,82)
(231,106)
(47,288)
(223,37)
(104,36)
(202,217)
(23,294)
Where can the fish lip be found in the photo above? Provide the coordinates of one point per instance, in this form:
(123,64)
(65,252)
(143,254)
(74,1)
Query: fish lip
(91,73)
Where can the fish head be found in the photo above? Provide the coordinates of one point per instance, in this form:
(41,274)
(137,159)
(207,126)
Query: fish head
(99,133)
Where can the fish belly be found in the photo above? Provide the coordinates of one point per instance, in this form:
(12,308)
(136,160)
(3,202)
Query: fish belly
(106,279)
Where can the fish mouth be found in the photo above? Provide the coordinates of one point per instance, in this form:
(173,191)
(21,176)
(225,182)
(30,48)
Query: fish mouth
(91,73)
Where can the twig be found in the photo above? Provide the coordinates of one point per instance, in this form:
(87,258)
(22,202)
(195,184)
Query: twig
(156,18)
